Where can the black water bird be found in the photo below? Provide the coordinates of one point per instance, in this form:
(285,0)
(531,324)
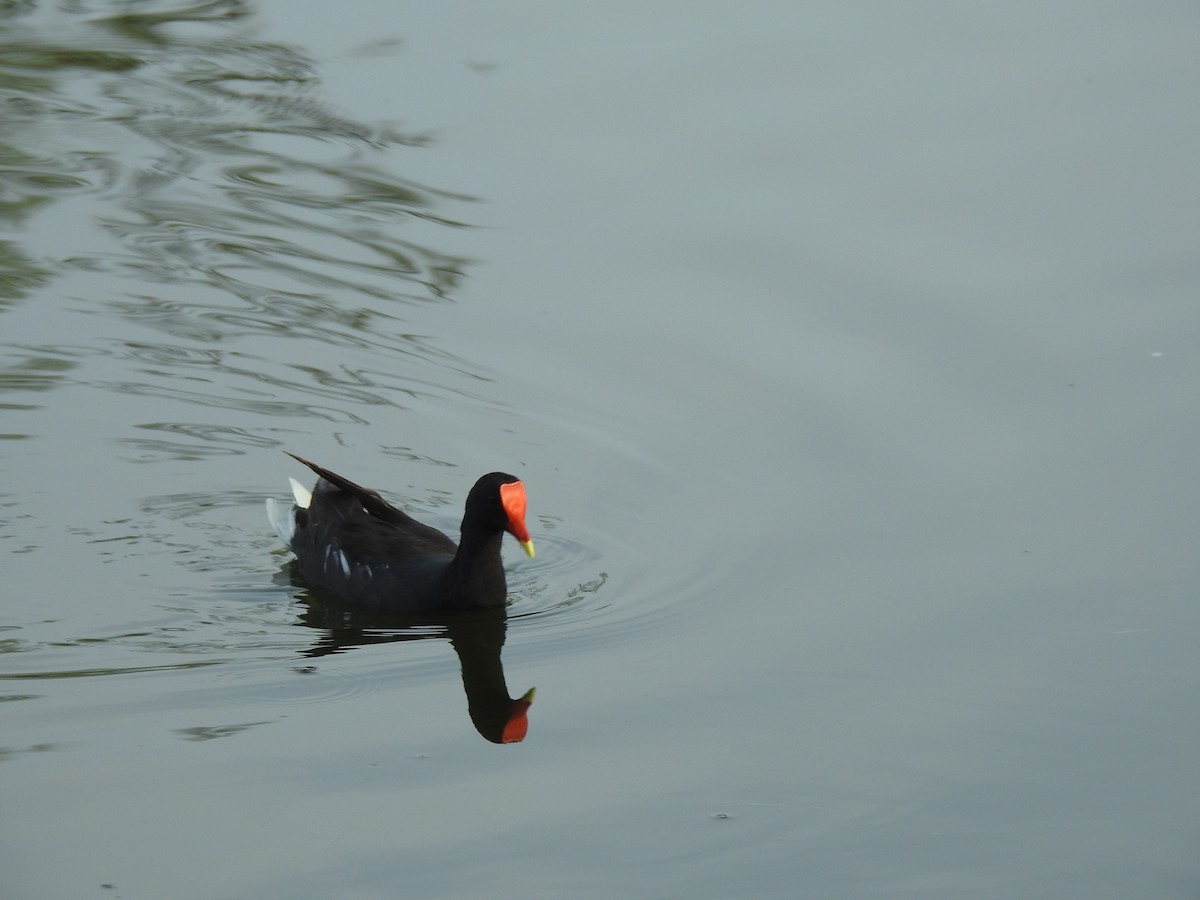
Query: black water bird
(356,546)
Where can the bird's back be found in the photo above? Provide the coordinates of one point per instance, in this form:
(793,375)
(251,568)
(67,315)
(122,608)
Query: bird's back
(375,557)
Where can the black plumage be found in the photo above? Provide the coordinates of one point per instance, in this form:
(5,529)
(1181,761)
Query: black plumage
(352,543)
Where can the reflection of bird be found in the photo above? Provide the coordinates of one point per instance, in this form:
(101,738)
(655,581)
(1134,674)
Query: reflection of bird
(477,638)
(351,542)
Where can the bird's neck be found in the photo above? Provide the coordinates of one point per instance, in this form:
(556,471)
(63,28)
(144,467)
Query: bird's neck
(476,574)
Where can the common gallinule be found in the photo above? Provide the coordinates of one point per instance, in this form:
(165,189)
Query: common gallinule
(351,542)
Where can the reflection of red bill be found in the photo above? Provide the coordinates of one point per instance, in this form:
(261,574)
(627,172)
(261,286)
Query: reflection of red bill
(518,724)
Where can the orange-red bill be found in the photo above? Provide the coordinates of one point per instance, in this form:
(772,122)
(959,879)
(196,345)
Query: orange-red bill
(518,723)
(512,498)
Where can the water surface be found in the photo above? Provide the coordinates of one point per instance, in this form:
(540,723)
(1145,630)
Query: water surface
(848,356)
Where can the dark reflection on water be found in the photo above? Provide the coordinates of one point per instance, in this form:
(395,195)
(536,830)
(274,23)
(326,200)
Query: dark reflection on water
(178,173)
(211,732)
(477,639)
(18,273)
(34,373)
(11,752)
(103,672)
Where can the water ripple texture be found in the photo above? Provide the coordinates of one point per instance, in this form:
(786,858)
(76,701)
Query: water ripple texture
(177,176)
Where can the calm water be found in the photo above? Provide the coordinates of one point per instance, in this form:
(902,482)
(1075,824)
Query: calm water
(849,356)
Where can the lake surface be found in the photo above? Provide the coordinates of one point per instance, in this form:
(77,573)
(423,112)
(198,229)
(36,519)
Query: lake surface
(850,356)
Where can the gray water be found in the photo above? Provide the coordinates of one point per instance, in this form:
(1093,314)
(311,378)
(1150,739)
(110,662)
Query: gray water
(848,354)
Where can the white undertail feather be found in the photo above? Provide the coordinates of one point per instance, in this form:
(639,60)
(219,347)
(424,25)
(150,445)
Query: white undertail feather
(283,516)
(283,519)
(301,493)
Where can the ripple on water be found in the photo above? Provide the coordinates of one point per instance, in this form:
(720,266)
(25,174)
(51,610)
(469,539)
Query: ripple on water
(305,683)
(230,208)
(548,591)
